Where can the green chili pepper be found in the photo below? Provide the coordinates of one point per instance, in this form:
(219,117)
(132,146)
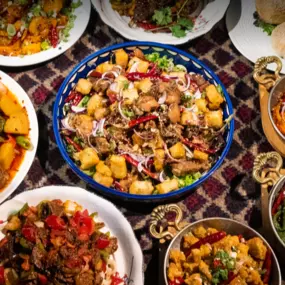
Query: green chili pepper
(24,142)
(24,243)
(84,101)
(105,255)
(23,209)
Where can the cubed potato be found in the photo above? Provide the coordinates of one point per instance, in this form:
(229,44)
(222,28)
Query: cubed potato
(130,94)
(174,271)
(141,188)
(257,248)
(159,143)
(18,123)
(83,86)
(88,158)
(143,66)
(3,88)
(53,5)
(100,113)
(104,67)
(177,150)
(7,155)
(103,179)
(189,240)
(214,119)
(102,168)
(201,104)
(31,48)
(189,118)
(121,58)
(159,155)
(177,256)
(213,95)
(132,61)
(200,155)
(118,166)
(145,85)
(205,270)
(137,140)
(95,103)
(167,186)
(9,106)
(200,232)
(174,113)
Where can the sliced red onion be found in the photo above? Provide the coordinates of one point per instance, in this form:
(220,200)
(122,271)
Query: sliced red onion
(103,79)
(110,72)
(66,125)
(162,99)
(120,68)
(101,126)
(90,144)
(77,109)
(186,86)
(170,77)
(120,110)
(169,155)
(137,157)
(63,109)
(140,166)
(113,87)
(189,153)
(198,94)
(147,159)
(95,128)
(131,85)
(162,176)
(134,67)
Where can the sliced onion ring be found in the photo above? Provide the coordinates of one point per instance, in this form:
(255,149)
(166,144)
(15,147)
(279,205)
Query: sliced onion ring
(162,176)
(77,109)
(66,125)
(162,99)
(120,110)
(110,72)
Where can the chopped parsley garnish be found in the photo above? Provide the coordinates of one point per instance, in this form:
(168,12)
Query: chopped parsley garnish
(267,28)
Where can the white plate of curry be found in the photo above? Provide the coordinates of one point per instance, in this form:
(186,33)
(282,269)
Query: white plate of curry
(18,135)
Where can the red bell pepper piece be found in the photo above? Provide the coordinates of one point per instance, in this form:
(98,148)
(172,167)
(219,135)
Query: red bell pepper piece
(2,275)
(146,26)
(208,239)
(55,222)
(267,265)
(136,163)
(119,187)
(116,279)
(84,224)
(53,37)
(96,74)
(77,99)
(42,278)
(102,242)
(29,232)
(198,147)
(278,202)
(73,143)
(176,281)
(140,120)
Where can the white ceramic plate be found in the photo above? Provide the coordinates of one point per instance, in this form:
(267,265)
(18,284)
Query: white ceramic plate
(24,100)
(128,257)
(211,14)
(82,18)
(251,41)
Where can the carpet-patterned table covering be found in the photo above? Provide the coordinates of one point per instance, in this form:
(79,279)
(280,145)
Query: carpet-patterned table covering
(231,192)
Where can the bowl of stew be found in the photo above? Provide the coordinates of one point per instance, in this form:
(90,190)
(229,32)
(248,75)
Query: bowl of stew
(143,121)
(18,135)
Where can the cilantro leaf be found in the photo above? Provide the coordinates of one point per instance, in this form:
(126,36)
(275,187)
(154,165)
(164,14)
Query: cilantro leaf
(185,23)
(162,17)
(177,31)
(267,28)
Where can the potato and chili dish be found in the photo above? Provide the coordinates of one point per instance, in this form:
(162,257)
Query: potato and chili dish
(14,135)
(30,26)
(142,125)
(209,256)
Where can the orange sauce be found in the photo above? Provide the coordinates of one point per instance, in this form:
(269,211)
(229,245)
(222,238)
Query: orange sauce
(20,152)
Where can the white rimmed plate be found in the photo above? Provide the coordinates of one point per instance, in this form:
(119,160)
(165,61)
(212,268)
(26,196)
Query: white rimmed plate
(251,41)
(82,14)
(25,101)
(128,257)
(211,14)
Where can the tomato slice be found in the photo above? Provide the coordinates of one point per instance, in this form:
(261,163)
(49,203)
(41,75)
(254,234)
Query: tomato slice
(55,222)
(42,278)
(29,232)
(102,242)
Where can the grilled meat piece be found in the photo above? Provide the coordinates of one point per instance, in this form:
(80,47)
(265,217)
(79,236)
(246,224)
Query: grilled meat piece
(4,177)
(38,257)
(147,103)
(56,208)
(84,278)
(185,167)
(102,145)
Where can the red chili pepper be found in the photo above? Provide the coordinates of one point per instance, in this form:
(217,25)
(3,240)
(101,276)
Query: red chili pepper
(116,279)
(208,239)
(146,26)
(77,99)
(136,163)
(102,242)
(55,222)
(71,96)
(42,278)
(231,277)
(3,241)
(267,265)
(53,37)
(118,186)
(278,202)
(96,74)
(140,120)
(240,237)
(29,232)
(73,262)
(16,38)
(112,97)
(73,143)
(217,263)
(134,76)
(104,266)
(176,281)
(2,275)
(198,147)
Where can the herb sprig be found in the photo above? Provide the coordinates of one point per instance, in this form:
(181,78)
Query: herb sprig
(267,28)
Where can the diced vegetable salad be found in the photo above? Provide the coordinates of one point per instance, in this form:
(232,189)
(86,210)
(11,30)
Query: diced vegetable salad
(143,125)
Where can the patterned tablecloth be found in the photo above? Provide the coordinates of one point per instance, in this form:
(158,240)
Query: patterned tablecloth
(230,192)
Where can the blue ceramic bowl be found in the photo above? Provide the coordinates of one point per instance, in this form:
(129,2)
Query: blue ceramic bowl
(179,57)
